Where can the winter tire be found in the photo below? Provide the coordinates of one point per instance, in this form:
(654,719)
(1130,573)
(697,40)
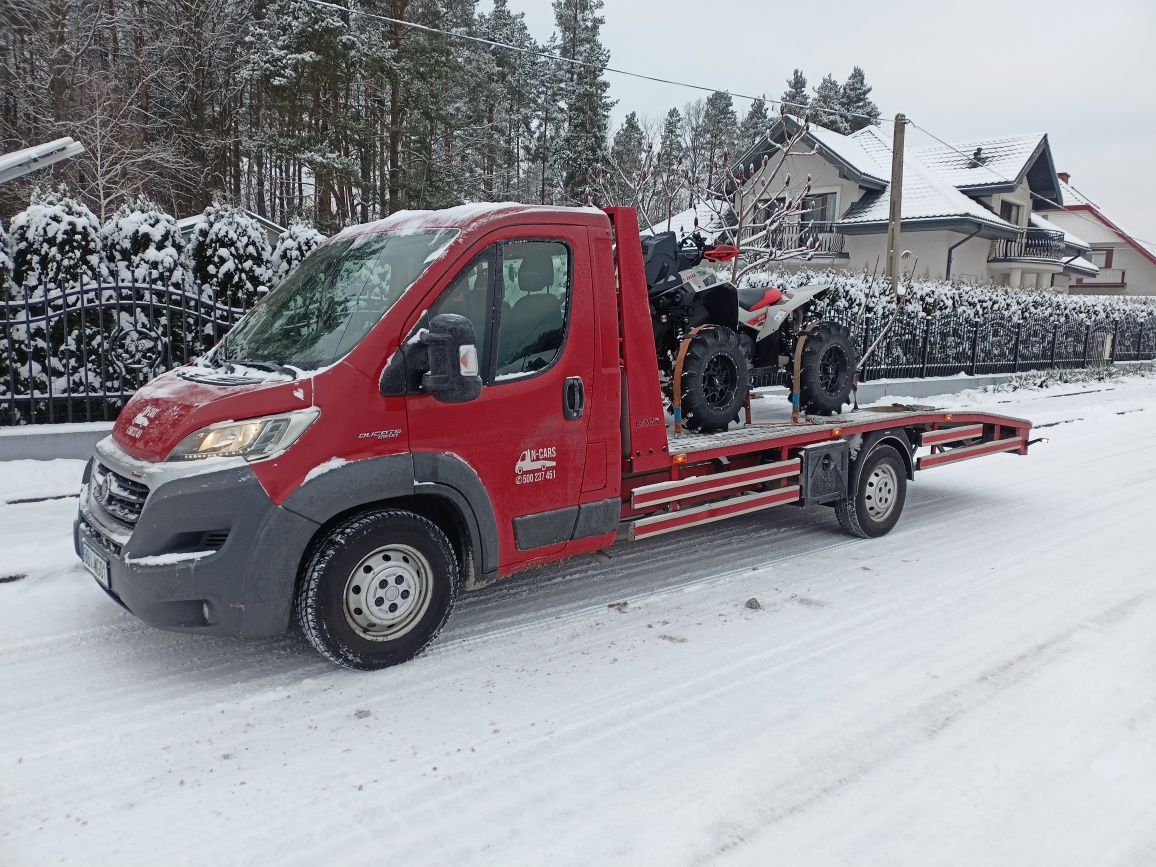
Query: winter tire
(716,377)
(828,367)
(875,505)
(377,588)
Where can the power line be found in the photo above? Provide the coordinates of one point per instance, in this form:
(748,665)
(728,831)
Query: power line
(547,55)
(1006,179)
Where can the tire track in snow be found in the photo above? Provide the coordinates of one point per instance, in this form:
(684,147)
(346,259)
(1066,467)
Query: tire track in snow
(925,722)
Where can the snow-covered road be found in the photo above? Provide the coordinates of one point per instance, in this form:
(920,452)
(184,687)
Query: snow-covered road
(979,687)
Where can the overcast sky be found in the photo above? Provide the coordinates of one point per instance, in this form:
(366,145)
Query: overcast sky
(1083,72)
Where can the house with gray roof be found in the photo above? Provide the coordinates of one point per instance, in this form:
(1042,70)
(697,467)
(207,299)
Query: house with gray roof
(969,209)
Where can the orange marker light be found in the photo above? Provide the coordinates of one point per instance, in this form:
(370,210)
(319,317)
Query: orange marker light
(947,418)
(837,432)
(680,459)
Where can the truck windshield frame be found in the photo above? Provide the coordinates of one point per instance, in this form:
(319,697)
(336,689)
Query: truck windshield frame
(334,298)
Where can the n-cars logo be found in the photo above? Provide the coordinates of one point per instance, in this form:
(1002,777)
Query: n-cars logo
(536,465)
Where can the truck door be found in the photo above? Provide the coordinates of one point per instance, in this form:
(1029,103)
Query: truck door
(530,299)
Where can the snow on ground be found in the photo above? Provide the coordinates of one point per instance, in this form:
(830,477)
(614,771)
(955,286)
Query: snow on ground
(978,687)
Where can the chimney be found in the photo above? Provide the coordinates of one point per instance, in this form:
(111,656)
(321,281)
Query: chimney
(1063,176)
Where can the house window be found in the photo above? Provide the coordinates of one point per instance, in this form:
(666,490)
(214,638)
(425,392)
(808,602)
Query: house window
(1101,258)
(1010,211)
(819,208)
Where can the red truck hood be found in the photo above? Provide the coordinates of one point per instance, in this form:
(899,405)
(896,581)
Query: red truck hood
(171,407)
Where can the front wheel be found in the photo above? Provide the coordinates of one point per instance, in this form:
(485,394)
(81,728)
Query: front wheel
(716,377)
(875,505)
(377,588)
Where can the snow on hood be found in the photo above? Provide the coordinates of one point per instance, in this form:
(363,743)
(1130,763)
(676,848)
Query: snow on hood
(169,408)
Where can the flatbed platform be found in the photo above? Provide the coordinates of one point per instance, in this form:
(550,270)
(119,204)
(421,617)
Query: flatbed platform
(773,426)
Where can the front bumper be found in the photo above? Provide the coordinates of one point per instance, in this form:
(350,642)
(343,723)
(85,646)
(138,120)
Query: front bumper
(209,552)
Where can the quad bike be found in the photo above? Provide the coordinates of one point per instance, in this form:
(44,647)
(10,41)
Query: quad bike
(718,341)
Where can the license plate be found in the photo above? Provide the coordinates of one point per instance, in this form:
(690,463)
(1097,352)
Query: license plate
(94,563)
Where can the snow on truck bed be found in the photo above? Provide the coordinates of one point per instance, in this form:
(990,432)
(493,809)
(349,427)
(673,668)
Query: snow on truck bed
(976,688)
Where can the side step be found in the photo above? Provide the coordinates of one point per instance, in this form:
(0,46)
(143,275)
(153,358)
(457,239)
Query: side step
(697,486)
(668,522)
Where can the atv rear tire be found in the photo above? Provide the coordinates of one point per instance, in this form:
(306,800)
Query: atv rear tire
(716,377)
(828,368)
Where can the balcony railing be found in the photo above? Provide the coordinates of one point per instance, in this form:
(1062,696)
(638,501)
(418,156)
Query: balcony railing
(1046,244)
(819,238)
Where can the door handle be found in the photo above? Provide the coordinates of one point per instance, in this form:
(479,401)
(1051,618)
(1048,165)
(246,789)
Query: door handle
(573,398)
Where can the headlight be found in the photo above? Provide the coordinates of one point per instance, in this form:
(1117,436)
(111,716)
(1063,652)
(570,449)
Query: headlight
(254,440)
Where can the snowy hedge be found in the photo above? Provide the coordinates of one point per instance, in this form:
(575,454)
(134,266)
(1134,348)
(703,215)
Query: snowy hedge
(228,257)
(945,328)
(293,245)
(973,302)
(143,245)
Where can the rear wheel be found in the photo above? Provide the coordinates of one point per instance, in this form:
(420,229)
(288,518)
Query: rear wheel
(377,588)
(828,367)
(875,505)
(716,377)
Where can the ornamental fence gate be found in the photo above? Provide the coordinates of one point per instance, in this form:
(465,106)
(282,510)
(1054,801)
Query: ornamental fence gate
(78,354)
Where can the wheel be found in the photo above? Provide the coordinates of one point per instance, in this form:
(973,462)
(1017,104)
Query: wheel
(880,491)
(828,368)
(716,377)
(377,588)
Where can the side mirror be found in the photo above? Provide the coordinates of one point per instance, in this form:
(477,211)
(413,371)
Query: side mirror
(453,375)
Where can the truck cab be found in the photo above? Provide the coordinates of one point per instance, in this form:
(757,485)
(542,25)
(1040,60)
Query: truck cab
(459,366)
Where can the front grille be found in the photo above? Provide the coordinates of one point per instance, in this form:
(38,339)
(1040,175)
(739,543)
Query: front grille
(122,497)
(112,546)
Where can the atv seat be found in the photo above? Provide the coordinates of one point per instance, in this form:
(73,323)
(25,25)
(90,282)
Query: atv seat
(757,297)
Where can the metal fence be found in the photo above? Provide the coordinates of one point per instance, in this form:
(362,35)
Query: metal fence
(948,345)
(78,354)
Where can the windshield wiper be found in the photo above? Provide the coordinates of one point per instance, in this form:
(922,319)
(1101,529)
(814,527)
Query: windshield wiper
(270,366)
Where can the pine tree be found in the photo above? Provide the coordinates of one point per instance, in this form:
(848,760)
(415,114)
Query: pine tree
(588,107)
(143,245)
(293,245)
(228,257)
(753,127)
(719,131)
(549,125)
(627,155)
(796,97)
(670,145)
(827,105)
(855,99)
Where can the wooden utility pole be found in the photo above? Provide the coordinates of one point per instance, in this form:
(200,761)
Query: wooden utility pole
(896,212)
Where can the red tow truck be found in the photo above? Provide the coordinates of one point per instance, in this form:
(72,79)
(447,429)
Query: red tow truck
(434,401)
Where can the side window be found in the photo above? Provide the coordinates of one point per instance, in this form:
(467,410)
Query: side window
(535,306)
(469,296)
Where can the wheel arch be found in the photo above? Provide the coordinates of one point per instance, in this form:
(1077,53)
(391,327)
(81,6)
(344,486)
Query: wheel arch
(440,487)
(896,437)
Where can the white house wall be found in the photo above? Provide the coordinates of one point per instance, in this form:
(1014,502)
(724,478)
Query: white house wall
(929,254)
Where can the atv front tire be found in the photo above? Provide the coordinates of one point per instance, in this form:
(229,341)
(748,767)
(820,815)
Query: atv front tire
(828,369)
(716,377)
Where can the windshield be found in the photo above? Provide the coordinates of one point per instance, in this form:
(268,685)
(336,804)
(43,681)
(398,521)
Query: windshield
(324,308)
